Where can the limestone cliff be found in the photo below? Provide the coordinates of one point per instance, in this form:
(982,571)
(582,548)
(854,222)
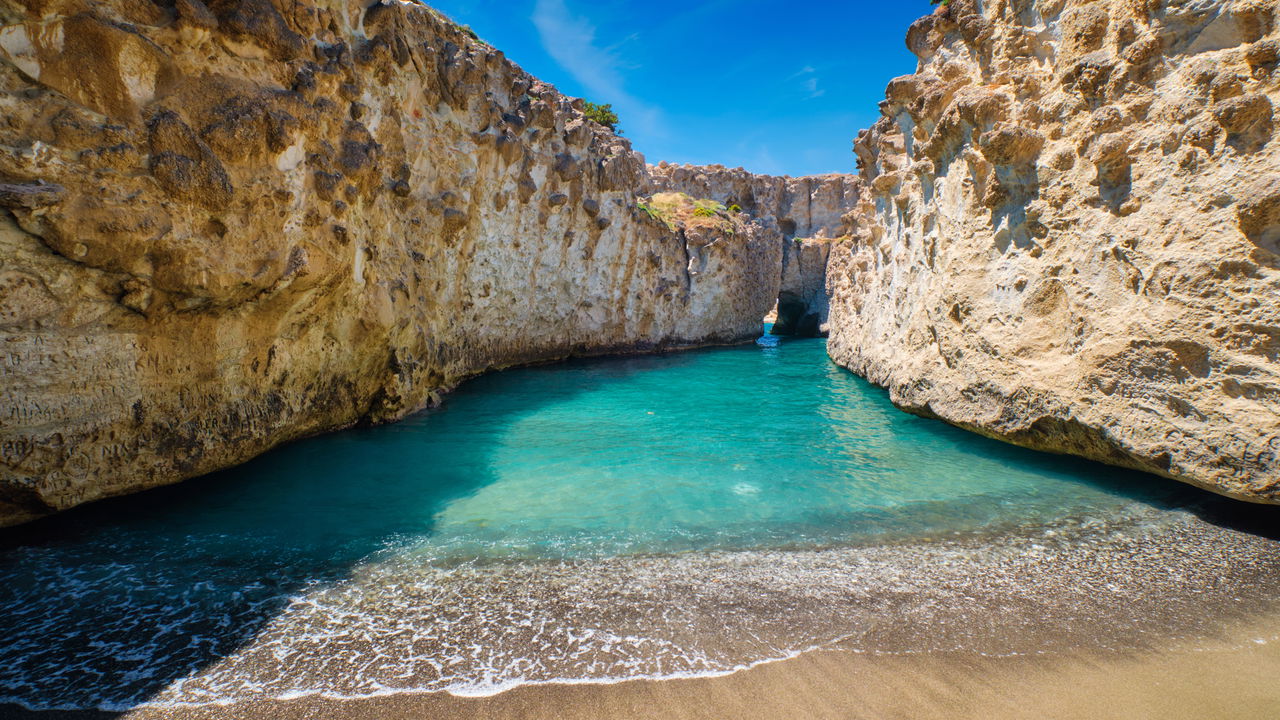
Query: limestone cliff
(1072,234)
(231,223)
(803,306)
(810,212)
(804,207)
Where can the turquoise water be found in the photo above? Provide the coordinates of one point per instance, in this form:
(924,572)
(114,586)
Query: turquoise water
(530,523)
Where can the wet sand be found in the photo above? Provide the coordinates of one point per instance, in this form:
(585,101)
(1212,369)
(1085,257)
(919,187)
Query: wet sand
(1231,677)
(1175,621)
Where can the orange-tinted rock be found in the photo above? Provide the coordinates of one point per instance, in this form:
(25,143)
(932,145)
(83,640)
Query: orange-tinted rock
(1074,248)
(232,223)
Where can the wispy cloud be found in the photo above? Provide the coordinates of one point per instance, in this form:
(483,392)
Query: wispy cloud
(754,153)
(763,161)
(570,40)
(808,81)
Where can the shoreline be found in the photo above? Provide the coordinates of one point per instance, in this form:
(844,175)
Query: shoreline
(964,639)
(1229,676)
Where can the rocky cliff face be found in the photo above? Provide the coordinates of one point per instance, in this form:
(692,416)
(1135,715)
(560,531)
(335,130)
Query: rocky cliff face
(1073,234)
(809,212)
(803,307)
(818,206)
(231,223)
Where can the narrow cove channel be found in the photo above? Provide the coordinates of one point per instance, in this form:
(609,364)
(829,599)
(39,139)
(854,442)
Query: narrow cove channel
(599,520)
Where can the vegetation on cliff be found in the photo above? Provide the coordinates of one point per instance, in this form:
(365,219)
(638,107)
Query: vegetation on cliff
(680,210)
(239,233)
(603,115)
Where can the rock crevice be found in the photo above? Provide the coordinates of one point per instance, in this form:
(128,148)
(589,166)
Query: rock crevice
(229,224)
(1069,236)
(808,212)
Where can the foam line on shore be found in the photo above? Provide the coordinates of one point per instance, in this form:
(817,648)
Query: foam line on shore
(401,624)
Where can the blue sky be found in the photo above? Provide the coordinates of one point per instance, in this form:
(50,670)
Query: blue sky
(776,87)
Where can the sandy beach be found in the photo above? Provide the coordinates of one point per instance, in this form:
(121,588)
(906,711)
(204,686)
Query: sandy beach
(1231,677)
(1130,632)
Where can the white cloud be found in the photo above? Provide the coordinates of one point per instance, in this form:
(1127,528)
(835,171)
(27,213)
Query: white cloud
(570,40)
(808,76)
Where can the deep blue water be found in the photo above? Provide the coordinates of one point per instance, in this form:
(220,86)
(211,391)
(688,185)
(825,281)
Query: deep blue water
(745,449)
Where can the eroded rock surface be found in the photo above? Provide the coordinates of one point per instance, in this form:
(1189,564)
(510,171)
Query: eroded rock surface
(802,300)
(231,223)
(809,212)
(818,206)
(1073,220)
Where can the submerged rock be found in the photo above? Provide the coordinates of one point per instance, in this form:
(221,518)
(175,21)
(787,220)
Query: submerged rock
(1071,235)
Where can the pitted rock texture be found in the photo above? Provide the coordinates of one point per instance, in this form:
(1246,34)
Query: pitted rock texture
(231,223)
(803,306)
(1072,234)
(809,212)
(818,206)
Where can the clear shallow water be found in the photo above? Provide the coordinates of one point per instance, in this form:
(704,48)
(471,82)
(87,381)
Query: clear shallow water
(602,519)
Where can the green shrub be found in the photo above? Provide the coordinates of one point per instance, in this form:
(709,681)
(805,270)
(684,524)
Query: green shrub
(602,114)
(657,214)
(679,210)
(735,209)
(707,208)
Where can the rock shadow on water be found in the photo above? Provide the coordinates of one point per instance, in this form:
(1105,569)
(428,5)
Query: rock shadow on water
(1151,490)
(107,605)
